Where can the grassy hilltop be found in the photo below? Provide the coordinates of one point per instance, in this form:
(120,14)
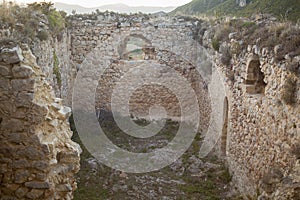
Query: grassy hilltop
(284,10)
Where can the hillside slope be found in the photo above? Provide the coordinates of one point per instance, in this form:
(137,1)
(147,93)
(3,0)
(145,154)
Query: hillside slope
(121,8)
(288,9)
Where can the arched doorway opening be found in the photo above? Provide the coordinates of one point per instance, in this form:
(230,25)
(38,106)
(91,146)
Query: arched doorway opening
(225,128)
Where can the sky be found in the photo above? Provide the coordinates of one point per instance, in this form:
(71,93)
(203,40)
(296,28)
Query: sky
(95,3)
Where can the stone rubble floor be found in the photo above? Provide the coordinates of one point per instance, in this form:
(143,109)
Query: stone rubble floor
(188,178)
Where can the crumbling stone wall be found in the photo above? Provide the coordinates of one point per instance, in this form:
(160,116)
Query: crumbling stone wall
(260,136)
(263,127)
(146,96)
(110,32)
(38,159)
(260,129)
(54,58)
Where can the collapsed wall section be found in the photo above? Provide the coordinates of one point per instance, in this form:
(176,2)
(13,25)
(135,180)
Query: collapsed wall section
(38,159)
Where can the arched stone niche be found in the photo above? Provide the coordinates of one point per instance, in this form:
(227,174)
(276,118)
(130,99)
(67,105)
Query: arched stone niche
(254,77)
(136,47)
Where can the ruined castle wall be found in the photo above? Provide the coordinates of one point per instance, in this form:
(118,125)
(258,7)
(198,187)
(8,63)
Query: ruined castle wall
(263,123)
(89,36)
(147,95)
(260,137)
(38,158)
(54,58)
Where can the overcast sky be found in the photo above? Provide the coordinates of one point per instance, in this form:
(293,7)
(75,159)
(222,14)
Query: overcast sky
(95,3)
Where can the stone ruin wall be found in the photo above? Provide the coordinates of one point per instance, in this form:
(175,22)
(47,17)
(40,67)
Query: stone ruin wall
(38,158)
(260,139)
(47,52)
(262,136)
(90,33)
(146,96)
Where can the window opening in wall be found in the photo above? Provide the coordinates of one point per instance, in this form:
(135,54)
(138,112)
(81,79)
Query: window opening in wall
(137,47)
(254,79)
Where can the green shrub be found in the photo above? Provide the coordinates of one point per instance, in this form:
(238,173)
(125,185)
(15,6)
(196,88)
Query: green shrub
(42,35)
(215,44)
(248,24)
(28,19)
(56,21)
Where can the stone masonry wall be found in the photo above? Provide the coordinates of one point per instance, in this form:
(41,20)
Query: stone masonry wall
(110,32)
(261,132)
(146,96)
(260,138)
(263,128)
(38,159)
(54,58)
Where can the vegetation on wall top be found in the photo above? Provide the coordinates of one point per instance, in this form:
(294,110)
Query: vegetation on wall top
(34,20)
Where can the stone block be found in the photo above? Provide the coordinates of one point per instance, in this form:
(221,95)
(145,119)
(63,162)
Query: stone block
(64,113)
(249,89)
(31,152)
(8,189)
(11,55)
(22,71)
(23,84)
(64,188)
(37,185)
(21,192)
(41,177)
(24,99)
(21,176)
(40,165)
(4,70)
(35,194)
(13,125)
(19,164)
(4,84)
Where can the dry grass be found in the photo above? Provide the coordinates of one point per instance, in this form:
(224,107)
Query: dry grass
(264,35)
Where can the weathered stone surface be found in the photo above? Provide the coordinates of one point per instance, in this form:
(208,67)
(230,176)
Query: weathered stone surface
(40,165)
(22,71)
(10,55)
(64,188)
(37,185)
(19,164)
(4,84)
(10,188)
(4,70)
(15,125)
(15,137)
(22,85)
(258,125)
(64,113)
(24,99)
(34,194)
(31,153)
(21,192)
(26,128)
(21,176)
